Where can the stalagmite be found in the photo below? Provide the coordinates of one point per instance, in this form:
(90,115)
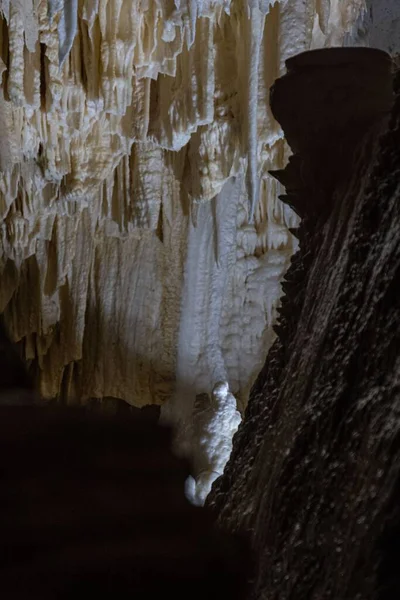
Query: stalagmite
(215,421)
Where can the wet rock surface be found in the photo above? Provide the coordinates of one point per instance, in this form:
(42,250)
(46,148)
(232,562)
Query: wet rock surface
(315,469)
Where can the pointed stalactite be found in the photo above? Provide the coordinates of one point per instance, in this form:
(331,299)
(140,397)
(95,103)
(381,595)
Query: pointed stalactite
(252,178)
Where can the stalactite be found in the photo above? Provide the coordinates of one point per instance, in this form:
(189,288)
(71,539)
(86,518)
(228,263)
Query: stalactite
(256,33)
(137,213)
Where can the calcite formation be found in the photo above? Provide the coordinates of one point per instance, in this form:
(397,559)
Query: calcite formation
(142,242)
(215,420)
(315,469)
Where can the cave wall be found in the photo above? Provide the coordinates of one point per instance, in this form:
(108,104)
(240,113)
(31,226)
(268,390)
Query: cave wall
(315,470)
(385,33)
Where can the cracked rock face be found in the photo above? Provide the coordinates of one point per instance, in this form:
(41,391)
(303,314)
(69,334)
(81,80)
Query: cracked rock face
(136,143)
(314,476)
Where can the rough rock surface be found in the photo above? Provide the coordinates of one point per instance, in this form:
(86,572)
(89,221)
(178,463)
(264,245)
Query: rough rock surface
(314,475)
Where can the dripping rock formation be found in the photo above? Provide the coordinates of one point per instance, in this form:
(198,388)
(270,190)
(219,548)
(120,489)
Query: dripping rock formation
(134,138)
(314,476)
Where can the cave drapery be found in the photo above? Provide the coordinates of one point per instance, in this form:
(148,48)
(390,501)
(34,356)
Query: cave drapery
(124,205)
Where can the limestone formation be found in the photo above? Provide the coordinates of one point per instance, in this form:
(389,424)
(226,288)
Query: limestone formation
(214,423)
(135,137)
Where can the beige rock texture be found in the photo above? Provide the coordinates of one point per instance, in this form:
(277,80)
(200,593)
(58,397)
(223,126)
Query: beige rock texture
(142,240)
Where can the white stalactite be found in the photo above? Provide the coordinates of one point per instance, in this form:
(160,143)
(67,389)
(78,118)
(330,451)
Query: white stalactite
(253,184)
